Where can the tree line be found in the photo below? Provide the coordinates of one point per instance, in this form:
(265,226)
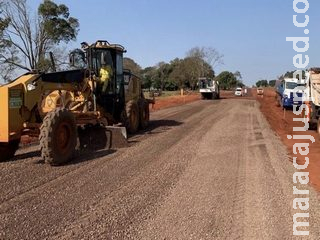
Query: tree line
(184,73)
(178,73)
(265,83)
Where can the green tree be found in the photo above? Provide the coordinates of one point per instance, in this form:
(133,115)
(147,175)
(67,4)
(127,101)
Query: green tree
(163,72)
(193,69)
(262,83)
(272,83)
(177,75)
(227,80)
(25,41)
(238,75)
(181,73)
(148,77)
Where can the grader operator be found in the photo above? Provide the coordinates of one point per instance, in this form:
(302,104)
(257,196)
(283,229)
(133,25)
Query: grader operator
(58,106)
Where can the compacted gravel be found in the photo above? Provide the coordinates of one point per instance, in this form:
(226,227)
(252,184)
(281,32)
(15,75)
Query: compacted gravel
(204,170)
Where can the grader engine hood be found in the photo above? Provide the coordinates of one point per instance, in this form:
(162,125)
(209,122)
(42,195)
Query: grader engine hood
(12,98)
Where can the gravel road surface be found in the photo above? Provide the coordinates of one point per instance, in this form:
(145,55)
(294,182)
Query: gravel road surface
(204,170)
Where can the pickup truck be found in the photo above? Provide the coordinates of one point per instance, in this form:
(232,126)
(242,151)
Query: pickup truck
(259,91)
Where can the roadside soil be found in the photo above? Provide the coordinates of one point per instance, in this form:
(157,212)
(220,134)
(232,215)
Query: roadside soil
(282,123)
(170,101)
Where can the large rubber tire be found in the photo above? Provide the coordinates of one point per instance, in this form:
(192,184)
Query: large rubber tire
(132,111)
(144,115)
(214,96)
(7,150)
(281,103)
(58,136)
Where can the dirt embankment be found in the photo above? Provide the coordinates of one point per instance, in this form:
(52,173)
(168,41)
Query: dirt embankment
(282,122)
(171,101)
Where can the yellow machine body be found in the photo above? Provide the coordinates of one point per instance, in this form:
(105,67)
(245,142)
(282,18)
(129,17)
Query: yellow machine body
(27,99)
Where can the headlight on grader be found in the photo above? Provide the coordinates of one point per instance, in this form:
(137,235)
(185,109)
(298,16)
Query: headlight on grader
(31,87)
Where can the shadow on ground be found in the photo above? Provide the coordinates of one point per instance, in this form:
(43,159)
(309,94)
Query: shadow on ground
(158,126)
(96,143)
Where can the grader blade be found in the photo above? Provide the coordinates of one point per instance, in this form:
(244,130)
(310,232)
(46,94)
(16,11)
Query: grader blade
(116,137)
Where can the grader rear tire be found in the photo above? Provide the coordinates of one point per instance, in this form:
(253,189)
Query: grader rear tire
(58,136)
(7,150)
(144,115)
(132,111)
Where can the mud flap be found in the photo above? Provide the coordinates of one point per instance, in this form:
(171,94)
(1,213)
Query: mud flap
(116,137)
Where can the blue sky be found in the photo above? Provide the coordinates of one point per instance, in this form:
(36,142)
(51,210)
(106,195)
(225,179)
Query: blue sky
(251,34)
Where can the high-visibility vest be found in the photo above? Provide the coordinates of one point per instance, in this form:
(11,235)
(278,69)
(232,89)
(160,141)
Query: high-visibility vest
(105,72)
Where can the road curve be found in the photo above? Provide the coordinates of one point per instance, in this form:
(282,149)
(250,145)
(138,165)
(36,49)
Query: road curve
(205,170)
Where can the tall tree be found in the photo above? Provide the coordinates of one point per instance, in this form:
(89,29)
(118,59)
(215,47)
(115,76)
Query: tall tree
(262,83)
(148,77)
(25,41)
(163,71)
(178,73)
(272,83)
(227,80)
(209,55)
(238,75)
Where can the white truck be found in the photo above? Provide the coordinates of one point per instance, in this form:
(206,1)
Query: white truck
(286,91)
(209,88)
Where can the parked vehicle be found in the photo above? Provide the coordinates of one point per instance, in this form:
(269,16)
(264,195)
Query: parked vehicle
(209,88)
(260,91)
(238,92)
(287,93)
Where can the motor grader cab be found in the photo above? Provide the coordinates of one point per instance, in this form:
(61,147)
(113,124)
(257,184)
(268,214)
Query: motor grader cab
(59,106)
(121,100)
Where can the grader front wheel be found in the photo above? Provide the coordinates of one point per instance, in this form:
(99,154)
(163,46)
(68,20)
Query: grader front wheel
(58,136)
(7,150)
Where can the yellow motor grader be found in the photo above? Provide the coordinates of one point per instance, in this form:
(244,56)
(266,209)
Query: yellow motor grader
(60,107)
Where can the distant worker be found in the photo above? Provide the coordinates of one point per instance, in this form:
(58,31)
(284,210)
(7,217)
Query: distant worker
(105,75)
(245,91)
